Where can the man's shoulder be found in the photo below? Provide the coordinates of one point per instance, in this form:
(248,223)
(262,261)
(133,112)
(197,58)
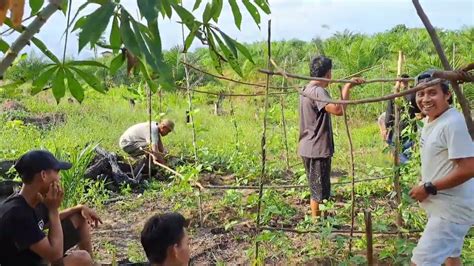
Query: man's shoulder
(453,120)
(14,206)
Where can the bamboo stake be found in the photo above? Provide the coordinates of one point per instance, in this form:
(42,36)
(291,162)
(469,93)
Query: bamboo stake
(190,97)
(382,74)
(368,235)
(28,34)
(234,122)
(160,100)
(396,137)
(283,120)
(439,49)
(264,140)
(352,175)
(150,131)
(201,221)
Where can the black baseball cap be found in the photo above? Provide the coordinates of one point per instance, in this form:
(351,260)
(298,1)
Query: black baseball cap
(428,76)
(36,161)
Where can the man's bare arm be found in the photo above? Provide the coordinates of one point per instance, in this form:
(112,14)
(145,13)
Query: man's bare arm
(462,172)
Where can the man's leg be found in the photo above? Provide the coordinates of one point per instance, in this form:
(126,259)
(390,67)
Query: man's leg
(320,184)
(76,258)
(83,230)
(440,242)
(314,204)
(453,261)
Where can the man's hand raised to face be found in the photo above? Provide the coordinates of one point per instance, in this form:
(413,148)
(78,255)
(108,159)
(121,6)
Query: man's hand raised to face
(54,196)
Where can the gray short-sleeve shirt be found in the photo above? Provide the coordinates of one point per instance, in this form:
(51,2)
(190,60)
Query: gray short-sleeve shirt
(316,136)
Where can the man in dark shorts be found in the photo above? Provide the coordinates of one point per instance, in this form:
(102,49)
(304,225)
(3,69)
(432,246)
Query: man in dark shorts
(25,216)
(316,144)
(165,240)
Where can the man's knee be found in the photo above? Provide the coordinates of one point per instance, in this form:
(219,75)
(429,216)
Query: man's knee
(78,257)
(78,220)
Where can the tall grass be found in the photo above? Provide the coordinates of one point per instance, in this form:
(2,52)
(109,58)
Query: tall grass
(77,188)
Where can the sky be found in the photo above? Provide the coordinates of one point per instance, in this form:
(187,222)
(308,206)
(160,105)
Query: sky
(291,19)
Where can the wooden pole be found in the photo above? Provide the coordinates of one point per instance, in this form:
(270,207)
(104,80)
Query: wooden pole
(199,198)
(300,77)
(396,150)
(368,235)
(190,98)
(466,110)
(264,141)
(234,122)
(352,175)
(149,128)
(283,121)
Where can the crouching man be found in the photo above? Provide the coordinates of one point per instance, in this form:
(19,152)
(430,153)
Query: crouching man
(25,216)
(446,191)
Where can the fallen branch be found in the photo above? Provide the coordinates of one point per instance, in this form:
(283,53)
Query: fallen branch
(288,186)
(237,94)
(335,231)
(294,76)
(232,80)
(197,184)
(419,87)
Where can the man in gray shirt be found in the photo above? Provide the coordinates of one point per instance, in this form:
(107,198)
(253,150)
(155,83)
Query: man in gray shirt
(316,143)
(137,137)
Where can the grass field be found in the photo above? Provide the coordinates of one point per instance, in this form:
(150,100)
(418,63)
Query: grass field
(232,156)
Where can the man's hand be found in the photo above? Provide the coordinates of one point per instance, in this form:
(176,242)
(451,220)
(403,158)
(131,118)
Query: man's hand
(418,193)
(357,81)
(53,197)
(90,216)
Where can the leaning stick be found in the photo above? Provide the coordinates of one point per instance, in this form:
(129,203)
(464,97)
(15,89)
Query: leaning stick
(197,184)
(466,110)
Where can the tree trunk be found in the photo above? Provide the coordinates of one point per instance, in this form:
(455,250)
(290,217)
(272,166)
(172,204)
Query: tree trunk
(27,35)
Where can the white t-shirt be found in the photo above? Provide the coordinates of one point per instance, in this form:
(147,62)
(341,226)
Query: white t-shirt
(442,140)
(139,134)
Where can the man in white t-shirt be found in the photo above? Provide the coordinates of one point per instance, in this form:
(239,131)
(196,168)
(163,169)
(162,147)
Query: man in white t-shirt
(446,191)
(137,137)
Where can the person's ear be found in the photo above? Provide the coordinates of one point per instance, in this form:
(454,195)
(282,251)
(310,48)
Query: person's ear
(173,252)
(448,96)
(43,175)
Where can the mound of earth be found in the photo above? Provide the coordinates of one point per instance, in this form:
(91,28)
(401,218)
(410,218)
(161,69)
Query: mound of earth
(14,110)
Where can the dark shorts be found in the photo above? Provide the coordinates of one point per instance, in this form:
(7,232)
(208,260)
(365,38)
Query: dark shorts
(71,235)
(133,149)
(71,238)
(318,171)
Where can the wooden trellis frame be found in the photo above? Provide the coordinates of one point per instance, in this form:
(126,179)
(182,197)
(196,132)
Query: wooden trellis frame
(269,72)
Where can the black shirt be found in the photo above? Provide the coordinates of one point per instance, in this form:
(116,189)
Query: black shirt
(390,115)
(20,227)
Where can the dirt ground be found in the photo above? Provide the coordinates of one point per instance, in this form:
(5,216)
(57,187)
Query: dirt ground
(118,238)
(119,234)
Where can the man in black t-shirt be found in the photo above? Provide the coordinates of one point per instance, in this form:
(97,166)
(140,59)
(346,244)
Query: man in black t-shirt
(411,109)
(25,216)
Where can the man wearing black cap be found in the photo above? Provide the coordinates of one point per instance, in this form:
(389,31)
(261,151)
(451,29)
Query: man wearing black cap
(25,215)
